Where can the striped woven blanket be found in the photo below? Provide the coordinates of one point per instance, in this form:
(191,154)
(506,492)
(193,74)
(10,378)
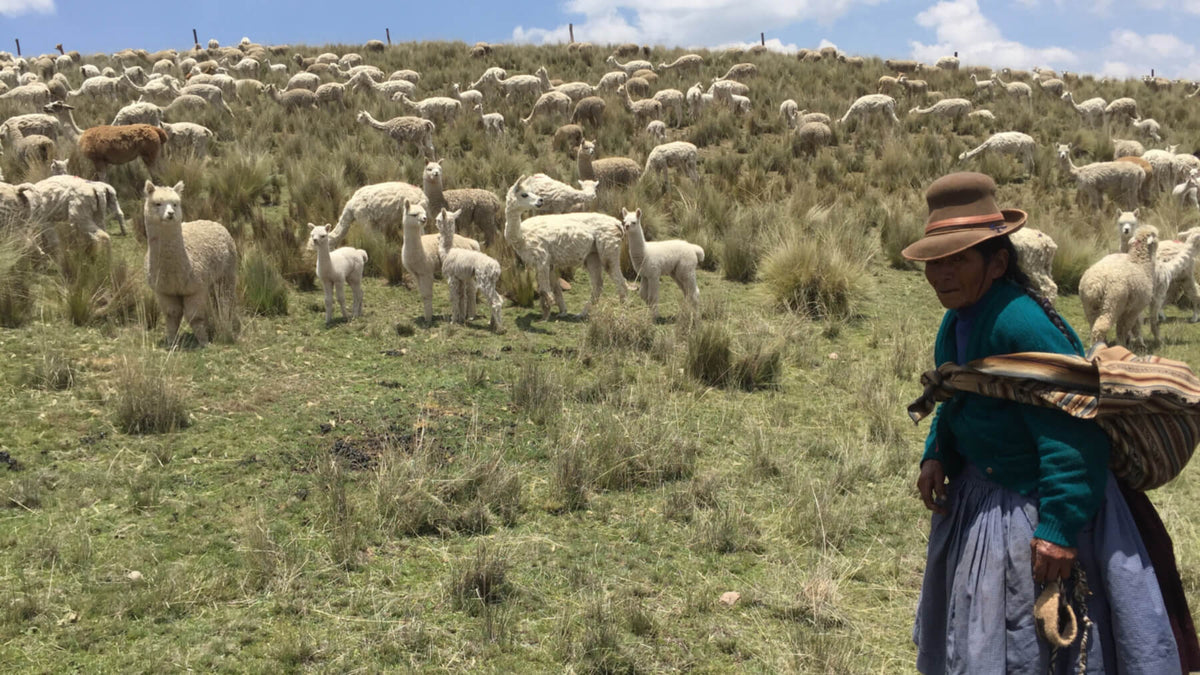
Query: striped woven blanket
(1149,406)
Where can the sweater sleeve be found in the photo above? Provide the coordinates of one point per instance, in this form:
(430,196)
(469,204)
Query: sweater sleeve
(1072,472)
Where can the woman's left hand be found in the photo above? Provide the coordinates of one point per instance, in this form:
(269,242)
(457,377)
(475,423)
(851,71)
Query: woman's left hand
(1051,561)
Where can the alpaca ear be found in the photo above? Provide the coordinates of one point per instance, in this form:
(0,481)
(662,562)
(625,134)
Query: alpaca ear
(1135,211)
(311,227)
(149,187)
(404,205)
(639,214)
(179,187)
(624,212)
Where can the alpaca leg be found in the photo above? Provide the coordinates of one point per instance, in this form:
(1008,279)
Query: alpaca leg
(469,288)
(456,304)
(340,286)
(328,301)
(357,292)
(193,311)
(650,295)
(425,285)
(1192,292)
(172,309)
(596,276)
(614,271)
(543,289)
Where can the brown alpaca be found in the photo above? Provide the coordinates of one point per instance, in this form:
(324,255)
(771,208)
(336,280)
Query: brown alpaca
(106,145)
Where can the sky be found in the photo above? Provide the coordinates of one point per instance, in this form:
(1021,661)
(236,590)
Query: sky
(1119,38)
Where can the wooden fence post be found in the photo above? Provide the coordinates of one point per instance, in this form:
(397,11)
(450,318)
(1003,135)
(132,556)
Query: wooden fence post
(18,46)
(571,30)
(762,39)
(389,35)
(195,39)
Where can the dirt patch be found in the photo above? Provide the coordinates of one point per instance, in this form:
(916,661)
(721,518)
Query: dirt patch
(10,462)
(361,453)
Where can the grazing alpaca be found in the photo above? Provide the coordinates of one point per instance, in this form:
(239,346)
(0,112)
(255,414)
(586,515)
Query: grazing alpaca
(336,269)
(466,270)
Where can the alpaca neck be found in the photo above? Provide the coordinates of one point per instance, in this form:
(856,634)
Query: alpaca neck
(412,238)
(446,240)
(585,166)
(512,224)
(433,192)
(637,247)
(165,250)
(375,123)
(324,262)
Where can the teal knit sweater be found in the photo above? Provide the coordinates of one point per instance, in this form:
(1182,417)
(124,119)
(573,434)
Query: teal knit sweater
(1022,447)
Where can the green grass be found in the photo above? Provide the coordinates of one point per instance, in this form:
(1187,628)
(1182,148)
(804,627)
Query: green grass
(386,496)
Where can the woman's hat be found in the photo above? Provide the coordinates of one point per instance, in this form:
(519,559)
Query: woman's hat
(962,213)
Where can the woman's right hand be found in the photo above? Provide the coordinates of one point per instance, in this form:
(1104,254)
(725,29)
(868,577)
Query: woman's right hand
(932,486)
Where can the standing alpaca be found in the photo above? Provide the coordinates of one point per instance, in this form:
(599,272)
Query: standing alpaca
(653,260)
(185,262)
(880,105)
(481,207)
(609,171)
(420,253)
(336,269)
(1122,181)
(107,145)
(466,270)
(404,130)
(550,242)
(678,154)
(1116,290)
(1091,110)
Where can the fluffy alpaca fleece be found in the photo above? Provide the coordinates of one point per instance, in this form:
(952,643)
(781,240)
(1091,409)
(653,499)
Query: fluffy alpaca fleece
(679,154)
(185,262)
(292,99)
(1035,256)
(337,268)
(1122,181)
(16,202)
(1176,274)
(611,80)
(549,104)
(947,108)
(141,112)
(558,197)
(653,260)
(673,101)
(479,207)
(210,93)
(589,109)
(438,109)
(421,255)
(812,136)
(83,204)
(105,145)
(379,207)
(465,271)
(404,130)
(1012,143)
(610,171)
(550,242)
(1116,290)
(188,137)
(878,105)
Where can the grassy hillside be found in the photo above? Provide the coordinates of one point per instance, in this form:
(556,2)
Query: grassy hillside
(570,495)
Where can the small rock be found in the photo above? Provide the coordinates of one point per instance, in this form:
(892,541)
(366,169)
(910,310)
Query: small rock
(730,598)
(833,356)
(136,576)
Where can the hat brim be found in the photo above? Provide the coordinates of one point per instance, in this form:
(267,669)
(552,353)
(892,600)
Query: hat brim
(941,244)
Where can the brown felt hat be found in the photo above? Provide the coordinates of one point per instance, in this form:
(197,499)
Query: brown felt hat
(962,213)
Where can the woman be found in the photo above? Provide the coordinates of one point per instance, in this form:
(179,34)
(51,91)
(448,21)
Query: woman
(1029,494)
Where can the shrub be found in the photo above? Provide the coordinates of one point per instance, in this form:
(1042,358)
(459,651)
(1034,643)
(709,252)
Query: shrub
(538,392)
(896,233)
(813,277)
(621,327)
(148,400)
(264,290)
(17,250)
(709,354)
(759,366)
(480,580)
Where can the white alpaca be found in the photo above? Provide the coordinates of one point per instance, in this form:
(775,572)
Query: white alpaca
(551,242)
(671,100)
(789,110)
(1017,90)
(653,260)
(1127,148)
(1035,257)
(465,271)
(1165,166)
(1148,128)
(877,105)
(188,137)
(139,113)
(83,204)
(337,268)
(558,197)
(550,104)
(420,253)
(657,130)
(947,108)
(688,63)
(983,86)
(388,88)
(610,81)
(1120,180)
(1175,274)
(1116,290)
(679,154)
(1091,110)
(1121,109)
(630,67)
(437,109)
(1012,143)
(493,122)
(185,262)
(1186,192)
(379,207)
(609,171)
(469,98)
(644,110)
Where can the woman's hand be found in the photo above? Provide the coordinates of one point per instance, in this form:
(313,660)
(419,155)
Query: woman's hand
(1051,561)
(932,486)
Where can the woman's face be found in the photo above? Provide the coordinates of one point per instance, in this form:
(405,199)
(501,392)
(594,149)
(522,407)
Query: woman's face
(963,278)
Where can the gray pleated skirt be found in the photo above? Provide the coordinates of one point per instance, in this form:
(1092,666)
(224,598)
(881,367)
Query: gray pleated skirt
(975,614)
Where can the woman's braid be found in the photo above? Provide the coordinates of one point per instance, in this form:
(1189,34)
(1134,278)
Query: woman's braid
(1014,274)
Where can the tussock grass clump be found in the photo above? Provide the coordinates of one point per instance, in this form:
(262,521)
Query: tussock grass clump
(264,291)
(149,399)
(758,366)
(727,529)
(621,327)
(709,354)
(52,370)
(97,288)
(569,480)
(633,452)
(896,233)
(238,189)
(17,253)
(538,392)
(816,273)
(383,256)
(480,580)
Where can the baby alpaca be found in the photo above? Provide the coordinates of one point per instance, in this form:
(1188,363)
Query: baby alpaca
(1117,289)
(655,259)
(336,269)
(185,262)
(420,253)
(465,270)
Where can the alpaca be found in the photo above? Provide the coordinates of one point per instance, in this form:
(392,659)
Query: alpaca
(388,88)
(550,104)
(420,253)
(1186,192)
(188,137)
(653,260)
(872,105)
(404,130)
(1121,180)
(337,268)
(591,110)
(1017,90)
(550,242)
(1091,110)
(1035,256)
(688,63)
(671,100)
(139,113)
(812,136)
(292,99)
(789,110)
(1123,109)
(657,130)
(1127,148)
(481,207)
(210,93)
(644,110)
(378,206)
(1007,143)
(185,262)
(437,109)
(947,108)
(678,154)
(465,271)
(630,67)
(493,122)
(83,204)
(559,197)
(1175,275)
(105,145)
(610,171)
(1116,290)
(1147,127)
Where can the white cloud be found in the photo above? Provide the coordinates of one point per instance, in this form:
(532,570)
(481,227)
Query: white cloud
(16,7)
(960,26)
(693,23)
(1131,54)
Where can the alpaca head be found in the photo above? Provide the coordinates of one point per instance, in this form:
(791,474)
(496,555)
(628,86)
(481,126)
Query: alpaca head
(1144,241)
(1063,151)
(1127,222)
(433,173)
(446,221)
(588,186)
(522,197)
(414,215)
(162,203)
(319,234)
(588,148)
(630,220)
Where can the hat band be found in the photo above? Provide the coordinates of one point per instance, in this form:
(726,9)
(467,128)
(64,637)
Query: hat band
(964,223)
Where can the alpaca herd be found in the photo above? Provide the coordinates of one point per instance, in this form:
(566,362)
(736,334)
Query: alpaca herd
(549,224)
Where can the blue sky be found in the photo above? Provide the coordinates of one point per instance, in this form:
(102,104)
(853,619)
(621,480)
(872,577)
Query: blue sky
(1122,38)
